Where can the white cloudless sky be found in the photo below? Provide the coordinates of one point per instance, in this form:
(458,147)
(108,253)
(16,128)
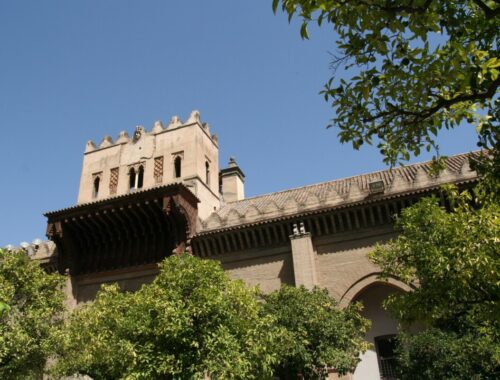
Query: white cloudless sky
(71,71)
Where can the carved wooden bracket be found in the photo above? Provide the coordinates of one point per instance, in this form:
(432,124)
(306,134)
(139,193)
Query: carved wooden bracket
(185,208)
(54,230)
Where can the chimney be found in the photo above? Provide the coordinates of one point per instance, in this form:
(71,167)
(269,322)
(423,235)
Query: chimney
(232,181)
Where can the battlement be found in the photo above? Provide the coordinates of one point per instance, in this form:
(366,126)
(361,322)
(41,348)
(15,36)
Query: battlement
(184,152)
(175,123)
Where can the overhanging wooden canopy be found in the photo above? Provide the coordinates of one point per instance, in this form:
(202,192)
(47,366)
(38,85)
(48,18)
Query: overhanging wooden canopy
(125,231)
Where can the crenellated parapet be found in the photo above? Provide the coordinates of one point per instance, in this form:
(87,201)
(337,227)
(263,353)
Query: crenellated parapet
(157,128)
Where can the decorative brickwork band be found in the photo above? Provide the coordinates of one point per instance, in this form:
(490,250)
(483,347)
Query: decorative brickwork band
(158,169)
(113,181)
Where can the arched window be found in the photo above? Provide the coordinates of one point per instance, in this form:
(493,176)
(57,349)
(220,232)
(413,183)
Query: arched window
(131,179)
(140,175)
(177,166)
(97,181)
(207,173)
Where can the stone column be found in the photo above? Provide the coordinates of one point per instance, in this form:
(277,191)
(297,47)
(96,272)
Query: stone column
(304,258)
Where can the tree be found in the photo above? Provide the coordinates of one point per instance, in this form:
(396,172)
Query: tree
(444,354)
(320,335)
(417,66)
(192,321)
(31,307)
(454,258)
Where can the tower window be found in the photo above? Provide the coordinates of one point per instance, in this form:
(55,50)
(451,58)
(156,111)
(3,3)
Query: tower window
(131,179)
(177,166)
(140,177)
(207,173)
(97,181)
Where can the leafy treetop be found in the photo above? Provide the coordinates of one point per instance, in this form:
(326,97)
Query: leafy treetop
(319,334)
(191,322)
(454,260)
(420,65)
(31,308)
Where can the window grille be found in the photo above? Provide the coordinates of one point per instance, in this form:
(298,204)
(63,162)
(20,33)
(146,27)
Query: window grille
(113,181)
(158,169)
(386,346)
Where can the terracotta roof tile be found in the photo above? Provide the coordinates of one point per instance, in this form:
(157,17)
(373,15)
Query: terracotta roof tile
(255,208)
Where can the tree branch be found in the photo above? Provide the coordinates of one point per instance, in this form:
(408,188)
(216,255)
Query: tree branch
(441,103)
(398,8)
(490,13)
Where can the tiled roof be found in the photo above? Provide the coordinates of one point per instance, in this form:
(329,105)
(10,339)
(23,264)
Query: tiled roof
(338,192)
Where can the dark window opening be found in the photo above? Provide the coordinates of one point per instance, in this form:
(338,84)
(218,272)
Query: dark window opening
(131,179)
(140,179)
(97,181)
(177,166)
(386,347)
(207,173)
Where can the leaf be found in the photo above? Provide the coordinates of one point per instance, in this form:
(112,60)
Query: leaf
(366,93)
(275,5)
(4,308)
(303,32)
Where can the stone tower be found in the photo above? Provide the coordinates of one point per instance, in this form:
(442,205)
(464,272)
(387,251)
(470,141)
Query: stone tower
(183,152)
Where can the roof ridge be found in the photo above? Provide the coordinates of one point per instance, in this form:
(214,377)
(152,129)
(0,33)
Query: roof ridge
(346,178)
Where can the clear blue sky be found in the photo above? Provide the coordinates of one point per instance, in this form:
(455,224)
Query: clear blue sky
(77,70)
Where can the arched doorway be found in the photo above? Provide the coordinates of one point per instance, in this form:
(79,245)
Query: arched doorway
(377,363)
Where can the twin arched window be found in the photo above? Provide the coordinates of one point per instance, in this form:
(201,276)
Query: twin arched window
(136,178)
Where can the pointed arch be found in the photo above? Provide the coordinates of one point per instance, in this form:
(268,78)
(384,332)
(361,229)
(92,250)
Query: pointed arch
(140,177)
(131,179)
(367,281)
(207,173)
(178,167)
(97,181)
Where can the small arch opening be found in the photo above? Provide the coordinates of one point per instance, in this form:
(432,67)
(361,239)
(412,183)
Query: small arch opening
(140,179)
(177,167)
(207,173)
(382,333)
(131,179)
(97,182)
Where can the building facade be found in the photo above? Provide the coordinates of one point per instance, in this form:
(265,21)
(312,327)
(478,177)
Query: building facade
(145,197)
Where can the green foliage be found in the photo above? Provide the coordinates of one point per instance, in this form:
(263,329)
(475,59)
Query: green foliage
(440,354)
(418,66)
(193,321)
(319,333)
(190,322)
(31,306)
(454,260)
(488,163)
(4,308)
